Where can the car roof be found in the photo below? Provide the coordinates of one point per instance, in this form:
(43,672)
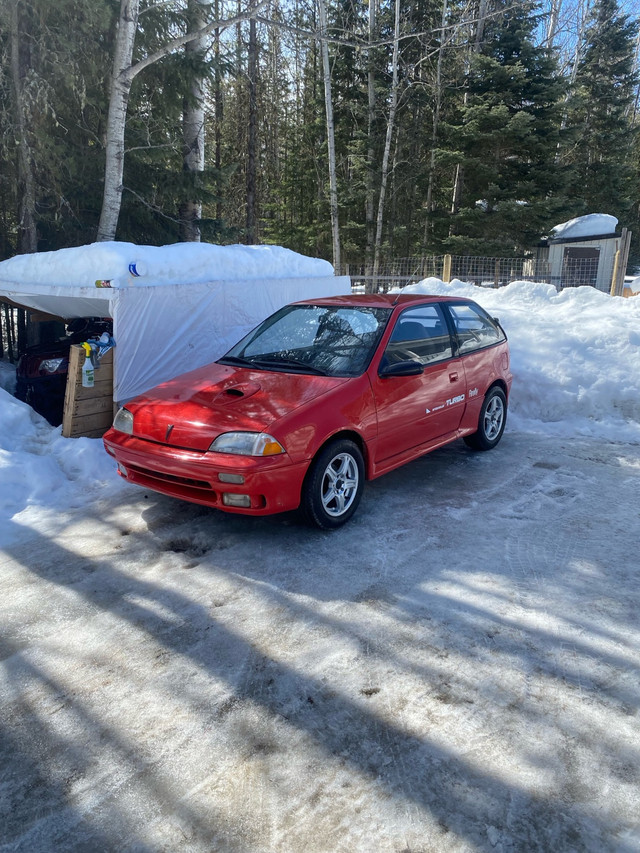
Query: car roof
(380,300)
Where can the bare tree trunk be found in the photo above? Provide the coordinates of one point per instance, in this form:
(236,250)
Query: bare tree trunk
(218,106)
(371,92)
(583,15)
(252,71)
(27,231)
(633,112)
(458,182)
(552,26)
(482,17)
(193,130)
(387,143)
(436,123)
(333,185)
(121,81)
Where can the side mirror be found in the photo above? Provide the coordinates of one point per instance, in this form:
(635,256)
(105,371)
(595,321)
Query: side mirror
(401,368)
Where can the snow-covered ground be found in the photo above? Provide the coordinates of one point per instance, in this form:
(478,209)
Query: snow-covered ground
(455,670)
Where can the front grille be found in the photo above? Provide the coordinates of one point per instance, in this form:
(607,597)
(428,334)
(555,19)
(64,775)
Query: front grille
(170,478)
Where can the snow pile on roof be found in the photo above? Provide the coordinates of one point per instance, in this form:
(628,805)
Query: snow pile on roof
(591,225)
(124,264)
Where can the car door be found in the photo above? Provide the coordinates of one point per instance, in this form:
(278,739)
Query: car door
(415,410)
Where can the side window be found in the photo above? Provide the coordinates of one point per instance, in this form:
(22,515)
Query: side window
(420,334)
(474,328)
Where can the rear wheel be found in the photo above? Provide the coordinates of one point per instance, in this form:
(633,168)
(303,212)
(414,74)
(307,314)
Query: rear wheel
(333,486)
(492,421)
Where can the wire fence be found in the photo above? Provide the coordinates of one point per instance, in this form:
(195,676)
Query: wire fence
(484,272)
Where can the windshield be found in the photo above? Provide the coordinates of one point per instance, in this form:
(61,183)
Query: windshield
(330,340)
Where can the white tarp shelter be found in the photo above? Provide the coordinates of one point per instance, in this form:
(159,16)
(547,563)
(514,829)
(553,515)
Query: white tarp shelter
(174,308)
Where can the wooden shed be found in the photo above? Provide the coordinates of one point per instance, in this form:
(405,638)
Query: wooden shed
(587,251)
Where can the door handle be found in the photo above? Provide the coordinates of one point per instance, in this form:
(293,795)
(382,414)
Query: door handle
(453,377)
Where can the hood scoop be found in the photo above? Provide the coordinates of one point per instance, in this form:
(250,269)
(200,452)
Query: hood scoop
(233,393)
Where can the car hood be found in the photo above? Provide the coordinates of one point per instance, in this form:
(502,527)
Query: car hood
(194,409)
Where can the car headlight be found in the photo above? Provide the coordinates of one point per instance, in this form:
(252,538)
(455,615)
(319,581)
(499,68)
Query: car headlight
(123,421)
(247,444)
(50,365)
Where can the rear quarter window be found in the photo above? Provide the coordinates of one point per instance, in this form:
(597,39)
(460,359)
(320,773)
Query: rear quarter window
(475,329)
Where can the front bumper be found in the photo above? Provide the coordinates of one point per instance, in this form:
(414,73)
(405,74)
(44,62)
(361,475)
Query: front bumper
(271,484)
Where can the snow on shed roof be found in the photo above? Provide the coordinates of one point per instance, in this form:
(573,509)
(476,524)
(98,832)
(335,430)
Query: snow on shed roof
(585,227)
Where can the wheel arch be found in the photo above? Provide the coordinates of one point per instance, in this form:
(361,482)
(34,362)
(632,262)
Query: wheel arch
(351,435)
(501,384)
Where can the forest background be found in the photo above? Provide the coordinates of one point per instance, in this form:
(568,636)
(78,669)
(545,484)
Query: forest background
(352,131)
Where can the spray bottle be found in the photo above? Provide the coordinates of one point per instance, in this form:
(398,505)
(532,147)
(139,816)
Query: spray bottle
(88,375)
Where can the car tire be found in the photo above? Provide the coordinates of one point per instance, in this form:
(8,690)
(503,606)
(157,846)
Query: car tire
(333,486)
(492,421)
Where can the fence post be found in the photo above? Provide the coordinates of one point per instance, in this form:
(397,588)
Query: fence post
(620,264)
(446,269)
(614,275)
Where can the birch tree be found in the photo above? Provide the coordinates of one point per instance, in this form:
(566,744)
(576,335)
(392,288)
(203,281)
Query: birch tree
(437,93)
(371,116)
(123,74)
(28,237)
(328,103)
(252,139)
(393,106)
(193,127)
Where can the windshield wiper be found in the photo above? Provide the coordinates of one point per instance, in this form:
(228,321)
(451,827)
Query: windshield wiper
(274,361)
(270,362)
(234,359)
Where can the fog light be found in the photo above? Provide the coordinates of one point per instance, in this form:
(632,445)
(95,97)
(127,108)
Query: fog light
(122,470)
(238,479)
(229,499)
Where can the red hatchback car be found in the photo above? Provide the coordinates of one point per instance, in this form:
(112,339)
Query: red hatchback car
(320,397)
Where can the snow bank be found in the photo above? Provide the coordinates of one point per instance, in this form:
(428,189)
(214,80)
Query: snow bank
(41,472)
(125,264)
(591,225)
(575,355)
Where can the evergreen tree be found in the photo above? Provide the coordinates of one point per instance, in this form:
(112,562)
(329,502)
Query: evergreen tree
(63,59)
(508,134)
(604,171)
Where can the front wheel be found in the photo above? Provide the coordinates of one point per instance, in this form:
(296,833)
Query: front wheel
(333,485)
(492,421)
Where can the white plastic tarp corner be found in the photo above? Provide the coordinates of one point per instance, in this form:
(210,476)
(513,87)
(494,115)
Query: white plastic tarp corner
(164,330)
(60,300)
(161,332)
